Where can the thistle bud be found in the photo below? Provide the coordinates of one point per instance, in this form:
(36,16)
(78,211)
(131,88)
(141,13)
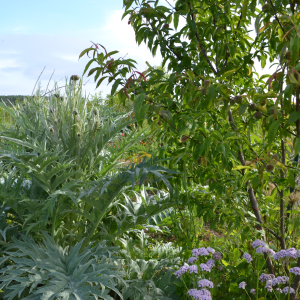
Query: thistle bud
(74,77)
(75,112)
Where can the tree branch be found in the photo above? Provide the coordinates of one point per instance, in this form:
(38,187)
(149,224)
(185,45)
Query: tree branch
(201,46)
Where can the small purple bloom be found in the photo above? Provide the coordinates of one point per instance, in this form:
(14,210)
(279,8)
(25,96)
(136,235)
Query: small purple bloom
(200,294)
(258,243)
(205,283)
(181,271)
(205,267)
(193,269)
(210,250)
(280,254)
(269,285)
(192,260)
(286,290)
(210,263)
(242,285)
(264,249)
(253,291)
(292,252)
(248,257)
(265,277)
(217,255)
(295,270)
(280,280)
(200,252)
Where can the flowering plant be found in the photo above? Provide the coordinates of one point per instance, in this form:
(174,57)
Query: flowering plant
(200,273)
(272,284)
(197,268)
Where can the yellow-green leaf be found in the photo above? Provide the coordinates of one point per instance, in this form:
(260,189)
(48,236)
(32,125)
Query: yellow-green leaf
(228,73)
(294,48)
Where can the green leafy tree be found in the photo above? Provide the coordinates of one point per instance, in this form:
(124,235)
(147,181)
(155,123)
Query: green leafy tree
(223,125)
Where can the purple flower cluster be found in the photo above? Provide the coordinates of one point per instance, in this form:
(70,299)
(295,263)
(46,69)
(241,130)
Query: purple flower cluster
(248,257)
(265,249)
(253,291)
(210,250)
(291,252)
(210,263)
(269,285)
(200,294)
(258,243)
(192,260)
(181,271)
(193,269)
(286,290)
(280,280)
(217,255)
(295,270)
(205,267)
(242,285)
(265,277)
(205,283)
(200,252)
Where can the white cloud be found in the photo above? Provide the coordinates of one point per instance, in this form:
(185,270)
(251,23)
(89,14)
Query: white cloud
(26,55)
(73,58)
(23,56)
(8,63)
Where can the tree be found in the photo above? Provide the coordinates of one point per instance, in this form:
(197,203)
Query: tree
(226,126)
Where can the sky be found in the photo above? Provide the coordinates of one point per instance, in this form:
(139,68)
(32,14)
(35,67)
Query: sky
(38,34)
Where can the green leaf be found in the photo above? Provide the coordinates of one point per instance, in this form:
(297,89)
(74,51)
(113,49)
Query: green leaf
(294,116)
(138,102)
(88,65)
(85,51)
(115,86)
(297,145)
(21,143)
(140,108)
(242,109)
(211,92)
(228,73)
(100,81)
(257,23)
(111,53)
(273,131)
(166,114)
(93,71)
(192,24)
(176,20)
(244,9)
(294,48)
(206,145)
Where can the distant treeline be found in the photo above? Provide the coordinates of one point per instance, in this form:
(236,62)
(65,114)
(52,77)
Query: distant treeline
(12,99)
